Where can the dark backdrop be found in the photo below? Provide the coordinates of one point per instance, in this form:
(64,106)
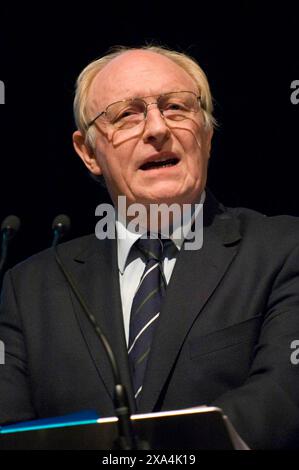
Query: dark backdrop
(249,52)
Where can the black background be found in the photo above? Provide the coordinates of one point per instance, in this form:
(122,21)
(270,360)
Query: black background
(249,51)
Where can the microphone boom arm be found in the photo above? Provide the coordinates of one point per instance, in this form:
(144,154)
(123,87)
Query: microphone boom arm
(126,436)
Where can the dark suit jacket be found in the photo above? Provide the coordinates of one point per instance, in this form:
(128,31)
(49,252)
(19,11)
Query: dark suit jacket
(223,338)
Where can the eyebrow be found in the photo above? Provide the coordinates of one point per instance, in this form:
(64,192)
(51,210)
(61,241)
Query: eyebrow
(141,96)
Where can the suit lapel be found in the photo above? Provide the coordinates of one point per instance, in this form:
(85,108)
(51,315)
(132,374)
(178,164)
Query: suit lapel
(195,277)
(95,273)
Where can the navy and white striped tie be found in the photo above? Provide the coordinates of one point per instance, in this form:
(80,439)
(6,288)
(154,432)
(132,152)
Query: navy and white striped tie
(145,309)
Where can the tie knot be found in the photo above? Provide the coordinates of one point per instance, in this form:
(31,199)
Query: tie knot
(152,248)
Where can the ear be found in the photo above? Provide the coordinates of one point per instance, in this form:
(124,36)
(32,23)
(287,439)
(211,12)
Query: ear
(86,153)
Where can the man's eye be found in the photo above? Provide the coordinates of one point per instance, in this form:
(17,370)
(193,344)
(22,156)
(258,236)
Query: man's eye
(126,114)
(175,107)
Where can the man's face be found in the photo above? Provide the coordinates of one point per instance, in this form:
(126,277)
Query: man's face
(122,156)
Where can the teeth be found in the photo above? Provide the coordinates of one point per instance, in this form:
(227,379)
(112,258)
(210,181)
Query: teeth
(160,161)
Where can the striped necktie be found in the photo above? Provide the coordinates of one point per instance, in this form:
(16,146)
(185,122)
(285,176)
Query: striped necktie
(145,309)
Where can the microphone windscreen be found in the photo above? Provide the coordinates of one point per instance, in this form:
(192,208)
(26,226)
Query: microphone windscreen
(11,223)
(62,222)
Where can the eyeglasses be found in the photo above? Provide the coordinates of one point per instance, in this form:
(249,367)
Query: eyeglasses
(125,114)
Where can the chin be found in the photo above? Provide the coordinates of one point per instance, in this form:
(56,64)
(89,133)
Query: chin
(172,195)
(167,197)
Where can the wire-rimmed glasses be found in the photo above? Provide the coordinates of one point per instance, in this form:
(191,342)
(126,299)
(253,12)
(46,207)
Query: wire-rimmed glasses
(129,113)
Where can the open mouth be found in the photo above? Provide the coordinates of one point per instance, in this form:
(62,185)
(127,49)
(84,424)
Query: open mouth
(160,164)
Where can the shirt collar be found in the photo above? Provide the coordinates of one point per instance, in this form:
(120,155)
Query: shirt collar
(126,239)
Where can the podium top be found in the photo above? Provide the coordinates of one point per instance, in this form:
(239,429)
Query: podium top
(192,428)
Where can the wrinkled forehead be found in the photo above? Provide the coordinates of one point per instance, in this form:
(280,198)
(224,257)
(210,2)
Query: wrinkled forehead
(137,73)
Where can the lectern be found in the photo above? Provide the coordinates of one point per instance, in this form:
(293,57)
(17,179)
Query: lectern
(200,428)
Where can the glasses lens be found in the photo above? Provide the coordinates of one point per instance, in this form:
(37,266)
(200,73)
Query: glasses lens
(177,106)
(126,114)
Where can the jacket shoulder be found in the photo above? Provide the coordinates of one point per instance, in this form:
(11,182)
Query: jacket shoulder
(258,225)
(45,259)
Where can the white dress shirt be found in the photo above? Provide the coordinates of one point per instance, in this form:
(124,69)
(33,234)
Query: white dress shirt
(131,265)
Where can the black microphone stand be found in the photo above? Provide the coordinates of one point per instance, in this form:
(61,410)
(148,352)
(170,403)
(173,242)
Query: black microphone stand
(127,439)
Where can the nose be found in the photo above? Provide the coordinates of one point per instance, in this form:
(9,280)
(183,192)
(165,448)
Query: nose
(156,130)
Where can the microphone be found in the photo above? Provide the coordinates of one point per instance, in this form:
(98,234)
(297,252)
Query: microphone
(60,227)
(126,436)
(9,227)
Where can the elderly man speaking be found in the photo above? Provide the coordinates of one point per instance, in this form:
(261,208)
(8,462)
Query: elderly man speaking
(213,325)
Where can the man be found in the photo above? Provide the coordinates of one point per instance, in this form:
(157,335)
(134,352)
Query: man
(226,313)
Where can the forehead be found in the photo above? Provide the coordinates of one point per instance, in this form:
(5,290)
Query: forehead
(137,73)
